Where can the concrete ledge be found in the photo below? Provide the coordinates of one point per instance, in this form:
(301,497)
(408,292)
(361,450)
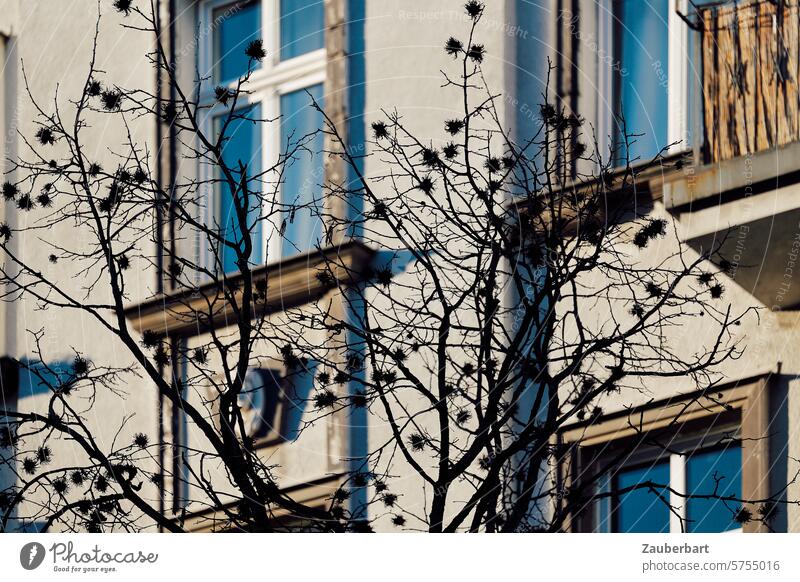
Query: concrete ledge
(289,283)
(706,185)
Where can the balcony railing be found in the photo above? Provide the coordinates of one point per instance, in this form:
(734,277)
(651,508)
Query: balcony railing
(750,70)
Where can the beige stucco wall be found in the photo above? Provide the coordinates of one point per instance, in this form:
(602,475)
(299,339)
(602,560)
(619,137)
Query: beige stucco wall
(54,40)
(404,64)
(319,449)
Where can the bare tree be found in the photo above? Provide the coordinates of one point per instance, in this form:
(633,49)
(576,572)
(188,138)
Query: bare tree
(510,297)
(519,292)
(120,214)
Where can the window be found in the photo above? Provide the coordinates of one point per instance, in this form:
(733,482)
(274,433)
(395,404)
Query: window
(641,510)
(302,27)
(714,470)
(709,515)
(303,178)
(273,402)
(697,441)
(645,55)
(243,146)
(641,47)
(239,24)
(281,87)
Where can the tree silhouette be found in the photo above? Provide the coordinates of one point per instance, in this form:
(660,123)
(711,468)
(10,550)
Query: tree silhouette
(512,293)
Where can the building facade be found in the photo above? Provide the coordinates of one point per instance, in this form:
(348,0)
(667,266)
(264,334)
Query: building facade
(724,120)
(706,82)
(355,59)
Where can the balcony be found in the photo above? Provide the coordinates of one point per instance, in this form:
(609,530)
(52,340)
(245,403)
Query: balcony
(742,193)
(749,66)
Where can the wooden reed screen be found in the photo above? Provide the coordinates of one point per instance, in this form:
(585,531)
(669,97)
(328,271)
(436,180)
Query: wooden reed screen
(750,69)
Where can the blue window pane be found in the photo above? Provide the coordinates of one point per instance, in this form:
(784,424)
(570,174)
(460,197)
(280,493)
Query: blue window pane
(642,49)
(602,507)
(243,145)
(302,27)
(712,515)
(302,187)
(642,510)
(235,25)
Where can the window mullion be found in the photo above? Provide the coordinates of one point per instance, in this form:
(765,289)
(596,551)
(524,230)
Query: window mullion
(606,71)
(270,22)
(677,80)
(677,499)
(270,151)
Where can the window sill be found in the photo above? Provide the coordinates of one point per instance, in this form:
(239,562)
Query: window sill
(313,494)
(292,282)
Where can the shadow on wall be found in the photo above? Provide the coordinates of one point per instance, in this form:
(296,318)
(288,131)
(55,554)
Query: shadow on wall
(395,261)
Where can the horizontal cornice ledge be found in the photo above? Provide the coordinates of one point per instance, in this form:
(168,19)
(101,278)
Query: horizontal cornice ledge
(637,185)
(292,282)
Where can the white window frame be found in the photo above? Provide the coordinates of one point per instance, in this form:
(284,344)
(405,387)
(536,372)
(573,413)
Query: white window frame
(273,79)
(681,448)
(677,76)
